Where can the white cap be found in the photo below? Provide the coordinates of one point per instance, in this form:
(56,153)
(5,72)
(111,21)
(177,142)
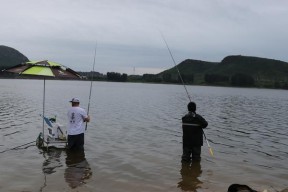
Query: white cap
(75,100)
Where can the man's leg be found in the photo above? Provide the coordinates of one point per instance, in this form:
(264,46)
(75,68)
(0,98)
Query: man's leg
(79,145)
(76,142)
(196,153)
(186,156)
(71,141)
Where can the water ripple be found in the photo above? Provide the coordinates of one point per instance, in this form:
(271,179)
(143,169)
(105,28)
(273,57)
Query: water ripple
(134,138)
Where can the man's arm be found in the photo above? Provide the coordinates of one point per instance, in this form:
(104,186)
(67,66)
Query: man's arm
(203,122)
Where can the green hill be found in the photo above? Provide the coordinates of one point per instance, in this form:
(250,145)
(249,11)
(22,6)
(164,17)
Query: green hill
(191,66)
(191,71)
(10,57)
(257,67)
(232,70)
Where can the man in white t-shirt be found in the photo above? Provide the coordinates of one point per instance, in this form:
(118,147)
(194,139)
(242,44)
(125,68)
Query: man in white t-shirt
(76,127)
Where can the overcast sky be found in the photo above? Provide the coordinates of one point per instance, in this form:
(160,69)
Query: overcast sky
(128,35)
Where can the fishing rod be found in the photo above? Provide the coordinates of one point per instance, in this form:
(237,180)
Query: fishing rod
(210,149)
(91,82)
(176,67)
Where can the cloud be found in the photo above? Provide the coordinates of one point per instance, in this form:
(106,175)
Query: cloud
(127,31)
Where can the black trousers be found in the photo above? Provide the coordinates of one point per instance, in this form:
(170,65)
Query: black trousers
(76,141)
(193,153)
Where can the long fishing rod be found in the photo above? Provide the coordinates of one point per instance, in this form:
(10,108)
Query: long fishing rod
(176,67)
(91,83)
(210,149)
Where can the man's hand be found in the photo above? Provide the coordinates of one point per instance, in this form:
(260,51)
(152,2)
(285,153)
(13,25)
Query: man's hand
(87,119)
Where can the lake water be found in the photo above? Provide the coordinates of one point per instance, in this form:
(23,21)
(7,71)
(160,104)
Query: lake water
(134,139)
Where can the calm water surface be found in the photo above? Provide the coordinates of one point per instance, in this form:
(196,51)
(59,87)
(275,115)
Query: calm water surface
(134,140)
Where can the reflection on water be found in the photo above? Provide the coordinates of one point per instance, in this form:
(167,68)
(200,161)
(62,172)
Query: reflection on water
(52,161)
(190,173)
(78,169)
(51,164)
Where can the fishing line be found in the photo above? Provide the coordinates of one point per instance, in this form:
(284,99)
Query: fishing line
(15,148)
(210,149)
(91,82)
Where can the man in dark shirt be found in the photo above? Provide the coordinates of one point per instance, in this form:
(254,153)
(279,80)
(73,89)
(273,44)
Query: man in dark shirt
(192,125)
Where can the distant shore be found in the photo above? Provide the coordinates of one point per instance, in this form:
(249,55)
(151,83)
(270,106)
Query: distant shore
(142,81)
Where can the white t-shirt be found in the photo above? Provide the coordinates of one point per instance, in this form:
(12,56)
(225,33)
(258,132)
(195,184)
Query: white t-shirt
(76,117)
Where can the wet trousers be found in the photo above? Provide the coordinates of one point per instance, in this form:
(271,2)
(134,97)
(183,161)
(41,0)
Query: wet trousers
(193,153)
(76,142)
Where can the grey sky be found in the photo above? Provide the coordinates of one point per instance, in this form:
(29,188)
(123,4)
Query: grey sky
(128,31)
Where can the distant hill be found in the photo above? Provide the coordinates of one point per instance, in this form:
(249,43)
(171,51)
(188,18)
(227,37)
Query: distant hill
(191,66)
(10,57)
(234,70)
(255,66)
(188,68)
(255,70)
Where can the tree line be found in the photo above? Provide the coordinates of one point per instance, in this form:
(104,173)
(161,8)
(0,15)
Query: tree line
(236,80)
(110,76)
